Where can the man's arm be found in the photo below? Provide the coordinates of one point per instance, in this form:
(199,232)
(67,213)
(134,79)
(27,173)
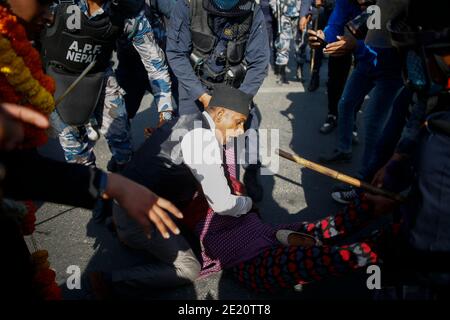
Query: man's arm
(210,173)
(343,12)
(165,6)
(179,48)
(140,32)
(305,7)
(336,23)
(31,176)
(257,56)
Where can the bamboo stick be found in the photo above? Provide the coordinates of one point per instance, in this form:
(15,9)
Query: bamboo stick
(338,175)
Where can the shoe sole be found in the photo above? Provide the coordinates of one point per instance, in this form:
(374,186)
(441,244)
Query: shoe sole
(339,200)
(326,131)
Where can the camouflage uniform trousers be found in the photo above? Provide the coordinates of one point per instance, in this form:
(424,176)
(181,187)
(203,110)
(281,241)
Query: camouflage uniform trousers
(111,115)
(290,31)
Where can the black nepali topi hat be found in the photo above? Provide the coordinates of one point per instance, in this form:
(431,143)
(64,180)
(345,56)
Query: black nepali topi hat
(230,98)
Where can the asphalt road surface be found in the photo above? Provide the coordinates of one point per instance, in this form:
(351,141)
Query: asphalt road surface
(291,194)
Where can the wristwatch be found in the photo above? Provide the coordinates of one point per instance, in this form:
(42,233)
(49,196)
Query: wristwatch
(166,115)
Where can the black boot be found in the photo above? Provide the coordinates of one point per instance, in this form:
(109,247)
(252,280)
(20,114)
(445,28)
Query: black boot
(314,82)
(329,124)
(282,77)
(336,157)
(299,73)
(276,69)
(252,184)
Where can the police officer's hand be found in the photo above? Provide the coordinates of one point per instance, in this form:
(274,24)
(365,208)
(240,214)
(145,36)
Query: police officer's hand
(344,45)
(142,205)
(380,205)
(12,118)
(205,99)
(312,38)
(379,177)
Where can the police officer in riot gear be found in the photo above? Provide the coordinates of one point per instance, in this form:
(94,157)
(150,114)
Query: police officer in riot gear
(69,48)
(131,73)
(219,41)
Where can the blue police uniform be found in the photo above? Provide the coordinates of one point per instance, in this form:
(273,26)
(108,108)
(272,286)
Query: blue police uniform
(180,46)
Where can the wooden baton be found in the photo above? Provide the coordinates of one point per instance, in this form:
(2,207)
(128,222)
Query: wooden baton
(76,82)
(339,176)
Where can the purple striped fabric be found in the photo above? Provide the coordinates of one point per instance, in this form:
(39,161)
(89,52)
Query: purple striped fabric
(230,162)
(227,241)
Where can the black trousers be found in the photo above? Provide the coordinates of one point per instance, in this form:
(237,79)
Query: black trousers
(324,15)
(338,70)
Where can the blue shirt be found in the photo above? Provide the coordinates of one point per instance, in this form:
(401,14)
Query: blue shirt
(156,11)
(179,48)
(343,12)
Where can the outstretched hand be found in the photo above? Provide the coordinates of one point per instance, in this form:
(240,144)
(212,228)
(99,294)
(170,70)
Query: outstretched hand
(143,205)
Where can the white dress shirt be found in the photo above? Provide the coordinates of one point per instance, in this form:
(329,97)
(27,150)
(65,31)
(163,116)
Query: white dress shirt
(202,153)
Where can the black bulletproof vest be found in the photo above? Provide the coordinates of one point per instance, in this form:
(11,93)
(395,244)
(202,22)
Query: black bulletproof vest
(73,50)
(158,163)
(67,53)
(204,39)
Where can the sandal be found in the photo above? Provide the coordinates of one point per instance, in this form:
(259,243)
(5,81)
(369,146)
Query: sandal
(301,239)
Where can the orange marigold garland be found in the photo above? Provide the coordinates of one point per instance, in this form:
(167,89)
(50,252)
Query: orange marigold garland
(22,81)
(44,280)
(33,136)
(28,222)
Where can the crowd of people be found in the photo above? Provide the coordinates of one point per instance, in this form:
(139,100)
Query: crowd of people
(178,196)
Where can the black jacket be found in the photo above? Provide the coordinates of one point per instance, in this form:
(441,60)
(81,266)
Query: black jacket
(30,176)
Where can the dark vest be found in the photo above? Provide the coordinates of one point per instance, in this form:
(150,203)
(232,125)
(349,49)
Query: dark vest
(74,50)
(158,163)
(204,40)
(67,53)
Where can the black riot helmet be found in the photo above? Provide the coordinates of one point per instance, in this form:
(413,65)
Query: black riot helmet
(422,36)
(229,8)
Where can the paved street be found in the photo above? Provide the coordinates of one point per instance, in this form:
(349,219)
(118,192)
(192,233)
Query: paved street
(292,194)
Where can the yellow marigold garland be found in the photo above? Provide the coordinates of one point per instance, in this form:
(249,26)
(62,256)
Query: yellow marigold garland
(22,81)
(19,76)
(20,64)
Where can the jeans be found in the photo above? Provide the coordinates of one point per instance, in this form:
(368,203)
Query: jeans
(338,70)
(392,132)
(383,79)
